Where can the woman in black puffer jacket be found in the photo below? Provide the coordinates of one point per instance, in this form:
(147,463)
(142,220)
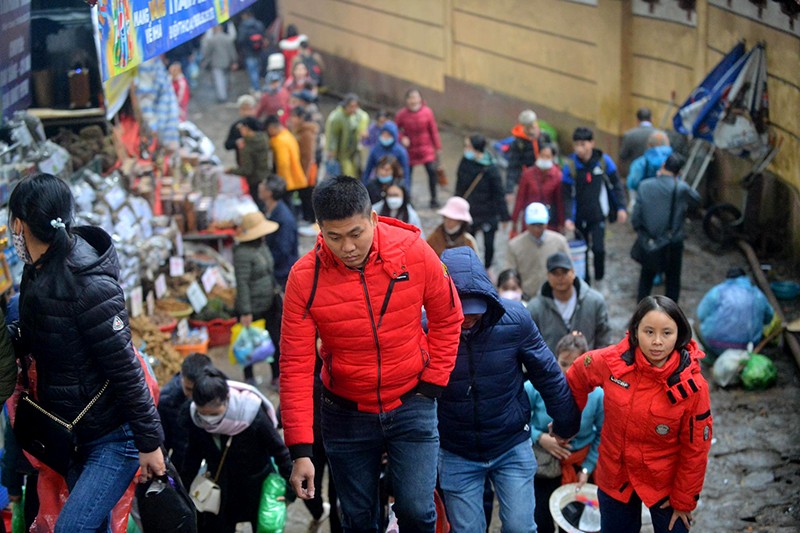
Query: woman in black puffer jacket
(74,323)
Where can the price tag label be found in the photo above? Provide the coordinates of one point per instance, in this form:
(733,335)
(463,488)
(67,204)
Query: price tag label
(209,278)
(179,245)
(151,303)
(183,329)
(196,297)
(176,266)
(137,301)
(161,286)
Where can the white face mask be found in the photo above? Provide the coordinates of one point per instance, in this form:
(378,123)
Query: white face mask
(452,231)
(394,202)
(211,420)
(511,295)
(544,164)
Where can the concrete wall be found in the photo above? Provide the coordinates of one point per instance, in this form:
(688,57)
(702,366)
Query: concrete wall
(480,62)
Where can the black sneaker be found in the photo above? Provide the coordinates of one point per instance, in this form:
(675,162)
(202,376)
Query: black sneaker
(434,204)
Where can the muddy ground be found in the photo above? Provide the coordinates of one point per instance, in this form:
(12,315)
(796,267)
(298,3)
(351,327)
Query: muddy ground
(753,478)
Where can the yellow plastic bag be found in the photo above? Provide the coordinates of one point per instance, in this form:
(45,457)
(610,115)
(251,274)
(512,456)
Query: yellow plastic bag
(236,330)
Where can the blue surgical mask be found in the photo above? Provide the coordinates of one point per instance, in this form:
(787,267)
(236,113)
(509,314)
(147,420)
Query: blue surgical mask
(469,155)
(386,142)
(385,179)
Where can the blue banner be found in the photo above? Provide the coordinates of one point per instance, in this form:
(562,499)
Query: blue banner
(15,55)
(133,31)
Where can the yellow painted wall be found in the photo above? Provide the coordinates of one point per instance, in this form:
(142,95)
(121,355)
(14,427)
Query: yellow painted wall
(597,64)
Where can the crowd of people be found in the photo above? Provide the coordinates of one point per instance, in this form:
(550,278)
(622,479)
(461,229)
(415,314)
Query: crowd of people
(418,379)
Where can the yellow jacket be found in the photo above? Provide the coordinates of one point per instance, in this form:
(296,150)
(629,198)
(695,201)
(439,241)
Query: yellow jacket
(286,153)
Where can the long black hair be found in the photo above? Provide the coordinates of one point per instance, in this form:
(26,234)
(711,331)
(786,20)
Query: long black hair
(45,203)
(669,308)
(211,386)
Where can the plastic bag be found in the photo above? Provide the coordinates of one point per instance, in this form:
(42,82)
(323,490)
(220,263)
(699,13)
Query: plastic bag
(271,511)
(728,366)
(759,373)
(236,330)
(253,345)
(18,515)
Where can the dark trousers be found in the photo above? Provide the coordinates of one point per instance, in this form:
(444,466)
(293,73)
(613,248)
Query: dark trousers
(433,180)
(595,235)
(305,204)
(627,517)
(314,506)
(543,488)
(488,229)
(671,266)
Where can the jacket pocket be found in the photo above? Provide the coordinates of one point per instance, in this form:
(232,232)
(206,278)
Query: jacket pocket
(664,424)
(426,360)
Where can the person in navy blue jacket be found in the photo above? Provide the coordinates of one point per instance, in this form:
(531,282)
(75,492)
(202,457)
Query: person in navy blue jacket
(282,243)
(388,145)
(484,412)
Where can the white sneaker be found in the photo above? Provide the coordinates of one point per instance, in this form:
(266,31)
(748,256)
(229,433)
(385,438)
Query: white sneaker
(314,525)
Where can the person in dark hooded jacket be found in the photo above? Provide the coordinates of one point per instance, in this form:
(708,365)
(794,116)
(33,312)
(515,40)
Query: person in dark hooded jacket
(484,412)
(74,324)
(388,145)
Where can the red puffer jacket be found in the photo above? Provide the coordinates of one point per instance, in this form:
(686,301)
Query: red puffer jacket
(374,349)
(657,430)
(421,129)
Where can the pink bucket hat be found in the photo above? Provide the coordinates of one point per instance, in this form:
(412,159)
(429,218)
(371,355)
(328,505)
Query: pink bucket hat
(456,208)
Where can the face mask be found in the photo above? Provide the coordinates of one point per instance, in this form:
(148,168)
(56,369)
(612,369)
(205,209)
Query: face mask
(211,420)
(544,164)
(452,231)
(469,155)
(511,295)
(386,142)
(394,202)
(385,179)
(21,248)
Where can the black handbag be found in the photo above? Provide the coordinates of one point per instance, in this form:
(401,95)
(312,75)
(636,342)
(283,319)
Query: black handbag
(45,435)
(164,504)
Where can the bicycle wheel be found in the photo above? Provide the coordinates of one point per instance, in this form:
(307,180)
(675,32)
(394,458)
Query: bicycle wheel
(722,222)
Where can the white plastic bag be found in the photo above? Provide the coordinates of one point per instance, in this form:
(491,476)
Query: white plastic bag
(728,366)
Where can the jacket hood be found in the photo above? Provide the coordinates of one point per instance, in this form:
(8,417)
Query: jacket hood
(656,155)
(519,131)
(470,279)
(391,127)
(93,253)
(388,246)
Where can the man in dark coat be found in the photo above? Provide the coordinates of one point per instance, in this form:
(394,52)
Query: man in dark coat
(484,412)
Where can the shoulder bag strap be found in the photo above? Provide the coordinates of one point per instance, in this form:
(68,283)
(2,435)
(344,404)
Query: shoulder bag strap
(672,209)
(474,184)
(91,403)
(222,461)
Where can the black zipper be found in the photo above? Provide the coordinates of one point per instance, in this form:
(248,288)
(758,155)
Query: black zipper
(374,334)
(691,429)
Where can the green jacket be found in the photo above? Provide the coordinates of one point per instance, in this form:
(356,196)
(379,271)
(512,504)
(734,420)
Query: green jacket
(255,277)
(343,132)
(254,159)
(8,362)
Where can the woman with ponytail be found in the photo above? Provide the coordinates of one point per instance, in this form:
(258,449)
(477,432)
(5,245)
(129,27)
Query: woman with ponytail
(74,324)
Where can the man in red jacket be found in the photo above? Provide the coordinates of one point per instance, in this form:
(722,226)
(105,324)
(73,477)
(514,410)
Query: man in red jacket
(361,290)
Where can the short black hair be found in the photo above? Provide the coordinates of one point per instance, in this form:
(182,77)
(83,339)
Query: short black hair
(669,308)
(193,365)
(251,122)
(340,197)
(210,386)
(508,274)
(735,272)
(552,146)
(272,120)
(276,185)
(674,163)
(291,31)
(348,99)
(383,113)
(582,134)
(478,142)
(644,114)
(299,111)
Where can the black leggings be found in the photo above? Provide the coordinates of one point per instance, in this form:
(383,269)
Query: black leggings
(488,230)
(433,179)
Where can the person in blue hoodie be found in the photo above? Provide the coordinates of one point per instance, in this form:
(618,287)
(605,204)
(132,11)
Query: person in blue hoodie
(484,413)
(648,164)
(388,145)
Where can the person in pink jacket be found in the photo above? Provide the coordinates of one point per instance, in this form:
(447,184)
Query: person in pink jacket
(420,134)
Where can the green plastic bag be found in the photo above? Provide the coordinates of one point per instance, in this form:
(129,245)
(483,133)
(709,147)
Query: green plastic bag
(18,517)
(759,373)
(271,511)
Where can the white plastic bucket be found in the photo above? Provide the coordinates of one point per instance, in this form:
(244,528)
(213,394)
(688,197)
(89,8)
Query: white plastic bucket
(577,251)
(566,494)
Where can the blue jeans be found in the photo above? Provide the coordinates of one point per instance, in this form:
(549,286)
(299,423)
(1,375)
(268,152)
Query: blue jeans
(511,473)
(355,442)
(253,66)
(97,480)
(627,517)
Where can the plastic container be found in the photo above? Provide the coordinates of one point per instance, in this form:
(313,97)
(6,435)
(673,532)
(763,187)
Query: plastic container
(186,349)
(785,290)
(577,252)
(169,328)
(219,330)
(587,495)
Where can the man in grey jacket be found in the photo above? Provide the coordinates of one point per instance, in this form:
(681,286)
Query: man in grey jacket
(566,303)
